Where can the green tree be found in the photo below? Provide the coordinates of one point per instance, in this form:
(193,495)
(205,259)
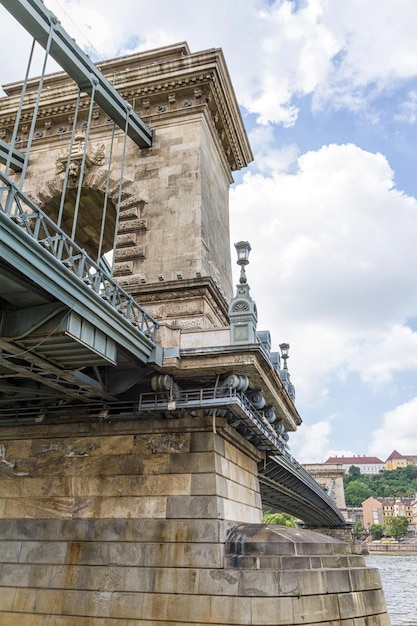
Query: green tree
(396,527)
(356,492)
(281,519)
(353,473)
(377,531)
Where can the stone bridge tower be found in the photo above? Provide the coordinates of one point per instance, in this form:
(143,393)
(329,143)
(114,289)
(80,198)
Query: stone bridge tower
(129,510)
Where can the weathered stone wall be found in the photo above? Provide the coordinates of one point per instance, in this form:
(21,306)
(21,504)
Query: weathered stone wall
(139,523)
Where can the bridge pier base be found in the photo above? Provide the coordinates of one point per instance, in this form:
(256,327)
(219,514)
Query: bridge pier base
(160,522)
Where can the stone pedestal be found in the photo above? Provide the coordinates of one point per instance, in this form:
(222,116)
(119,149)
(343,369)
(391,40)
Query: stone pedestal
(159,522)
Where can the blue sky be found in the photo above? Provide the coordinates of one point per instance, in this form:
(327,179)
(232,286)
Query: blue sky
(328,94)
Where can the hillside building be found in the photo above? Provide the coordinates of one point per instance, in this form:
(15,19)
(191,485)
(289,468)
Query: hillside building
(366,464)
(378,510)
(396,460)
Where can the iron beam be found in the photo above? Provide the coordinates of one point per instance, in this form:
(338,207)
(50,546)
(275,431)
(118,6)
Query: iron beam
(40,267)
(38,20)
(17,158)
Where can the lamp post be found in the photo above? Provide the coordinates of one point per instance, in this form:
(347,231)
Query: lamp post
(242,309)
(242,248)
(284,347)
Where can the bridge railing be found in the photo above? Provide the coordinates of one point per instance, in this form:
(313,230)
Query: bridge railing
(240,412)
(26,214)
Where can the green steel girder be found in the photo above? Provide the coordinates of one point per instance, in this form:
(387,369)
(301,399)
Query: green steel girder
(17,158)
(39,266)
(38,21)
(290,488)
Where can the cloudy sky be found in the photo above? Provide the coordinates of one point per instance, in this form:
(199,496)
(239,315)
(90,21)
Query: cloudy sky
(328,94)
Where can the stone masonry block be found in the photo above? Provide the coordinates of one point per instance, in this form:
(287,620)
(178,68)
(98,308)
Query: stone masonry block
(7,595)
(198,507)
(96,604)
(140,579)
(351,605)
(208,484)
(230,610)
(126,606)
(49,601)
(310,609)
(240,492)
(40,575)
(295,562)
(14,575)
(205,442)
(25,600)
(156,606)
(236,474)
(43,552)
(259,583)
(237,511)
(88,553)
(192,463)
(177,530)
(337,581)
(57,508)
(365,579)
(11,619)
(10,551)
(185,608)
(177,580)
(238,457)
(374,601)
(272,611)
(183,555)
(120,507)
(219,582)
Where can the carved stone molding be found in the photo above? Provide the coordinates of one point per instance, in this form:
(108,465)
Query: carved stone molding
(133,252)
(92,154)
(123,269)
(123,241)
(131,226)
(185,308)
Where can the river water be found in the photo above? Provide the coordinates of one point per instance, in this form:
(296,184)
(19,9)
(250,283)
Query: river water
(399,580)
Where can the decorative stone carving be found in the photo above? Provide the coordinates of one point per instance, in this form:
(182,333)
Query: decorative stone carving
(133,252)
(126,240)
(94,155)
(123,269)
(189,324)
(129,214)
(187,308)
(133,225)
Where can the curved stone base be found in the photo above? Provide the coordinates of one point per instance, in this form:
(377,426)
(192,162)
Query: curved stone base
(299,577)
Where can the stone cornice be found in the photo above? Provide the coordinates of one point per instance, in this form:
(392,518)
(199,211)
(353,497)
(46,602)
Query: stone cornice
(157,83)
(248,360)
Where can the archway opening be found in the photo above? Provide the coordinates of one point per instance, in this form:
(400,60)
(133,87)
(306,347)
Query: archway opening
(89,227)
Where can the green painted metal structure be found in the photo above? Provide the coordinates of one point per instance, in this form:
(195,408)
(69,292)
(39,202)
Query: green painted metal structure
(43,26)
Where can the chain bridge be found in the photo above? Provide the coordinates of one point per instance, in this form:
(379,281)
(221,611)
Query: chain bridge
(115,283)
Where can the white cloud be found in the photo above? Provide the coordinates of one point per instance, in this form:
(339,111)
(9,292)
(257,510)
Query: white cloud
(310,444)
(342,53)
(408,109)
(332,267)
(270,158)
(398,431)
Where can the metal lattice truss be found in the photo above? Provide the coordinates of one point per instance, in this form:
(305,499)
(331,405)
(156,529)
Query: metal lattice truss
(23,212)
(45,28)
